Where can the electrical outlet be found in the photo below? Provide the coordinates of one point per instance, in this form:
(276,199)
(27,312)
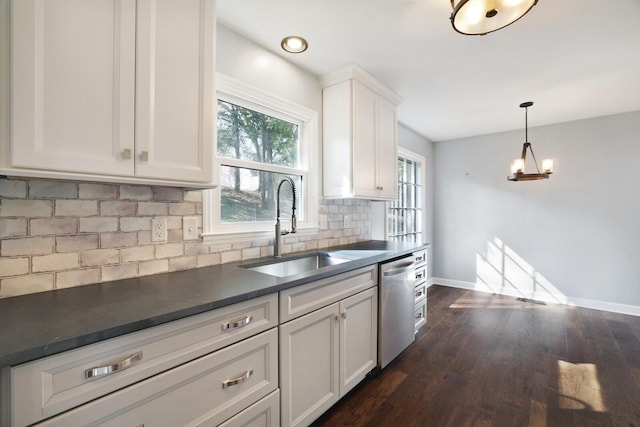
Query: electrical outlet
(159,230)
(347,221)
(190,228)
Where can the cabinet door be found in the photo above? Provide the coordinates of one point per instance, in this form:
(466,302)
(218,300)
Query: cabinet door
(175,95)
(72,83)
(358,337)
(365,107)
(387,167)
(309,366)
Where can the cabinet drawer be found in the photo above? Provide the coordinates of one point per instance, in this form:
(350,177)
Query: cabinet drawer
(420,258)
(420,315)
(192,394)
(263,413)
(49,386)
(420,292)
(421,274)
(304,299)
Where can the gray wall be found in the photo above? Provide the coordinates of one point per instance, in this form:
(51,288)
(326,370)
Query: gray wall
(572,238)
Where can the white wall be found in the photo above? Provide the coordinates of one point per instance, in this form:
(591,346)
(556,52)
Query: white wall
(572,238)
(251,63)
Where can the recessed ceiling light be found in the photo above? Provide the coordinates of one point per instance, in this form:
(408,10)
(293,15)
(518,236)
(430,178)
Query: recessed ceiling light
(294,44)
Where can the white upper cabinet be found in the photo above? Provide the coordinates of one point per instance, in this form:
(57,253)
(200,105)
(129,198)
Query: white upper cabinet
(110,90)
(359,136)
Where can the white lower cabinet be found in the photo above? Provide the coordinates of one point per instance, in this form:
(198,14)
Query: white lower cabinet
(263,413)
(204,392)
(324,354)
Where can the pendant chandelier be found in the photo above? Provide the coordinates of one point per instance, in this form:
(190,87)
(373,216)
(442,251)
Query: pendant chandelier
(517,167)
(479,17)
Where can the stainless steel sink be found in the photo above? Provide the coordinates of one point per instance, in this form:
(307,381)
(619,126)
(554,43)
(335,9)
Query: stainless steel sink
(292,266)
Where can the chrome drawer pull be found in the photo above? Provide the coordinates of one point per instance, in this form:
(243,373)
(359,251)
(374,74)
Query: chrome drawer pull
(418,294)
(240,379)
(420,258)
(420,275)
(240,323)
(99,371)
(419,315)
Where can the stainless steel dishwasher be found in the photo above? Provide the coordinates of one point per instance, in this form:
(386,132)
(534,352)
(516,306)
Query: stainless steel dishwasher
(396,320)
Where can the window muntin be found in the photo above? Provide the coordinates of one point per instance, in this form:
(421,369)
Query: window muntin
(404,215)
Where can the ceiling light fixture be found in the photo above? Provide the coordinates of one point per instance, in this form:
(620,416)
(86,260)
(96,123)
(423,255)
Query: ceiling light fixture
(517,167)
(294,44)
(479,17)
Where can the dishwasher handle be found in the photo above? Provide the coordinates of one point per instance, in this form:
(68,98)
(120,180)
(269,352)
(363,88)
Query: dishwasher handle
(398,269)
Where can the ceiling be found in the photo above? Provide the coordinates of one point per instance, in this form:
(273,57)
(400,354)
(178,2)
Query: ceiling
(574,58)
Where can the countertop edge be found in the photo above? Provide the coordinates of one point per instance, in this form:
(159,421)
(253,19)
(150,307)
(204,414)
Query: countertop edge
(146,285)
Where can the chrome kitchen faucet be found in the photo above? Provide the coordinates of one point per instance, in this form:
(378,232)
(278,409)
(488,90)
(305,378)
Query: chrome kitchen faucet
(276,242)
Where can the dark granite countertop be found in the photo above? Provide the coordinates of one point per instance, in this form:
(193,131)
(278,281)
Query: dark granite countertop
(38,325)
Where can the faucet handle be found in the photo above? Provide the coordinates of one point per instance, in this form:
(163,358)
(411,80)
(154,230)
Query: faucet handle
(294,224)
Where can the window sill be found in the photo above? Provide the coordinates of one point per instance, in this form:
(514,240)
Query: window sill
(249,236)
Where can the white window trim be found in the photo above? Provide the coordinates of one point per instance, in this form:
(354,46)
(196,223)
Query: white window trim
(408,154)
(248,96)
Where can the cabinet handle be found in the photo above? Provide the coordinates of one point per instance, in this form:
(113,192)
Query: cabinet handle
(99,371)
(418,294)
(420,258)
(144,156)
(420,274)
(379,187)
(239,323)
(240,379)
(343,315)
(126,154)
(419,315)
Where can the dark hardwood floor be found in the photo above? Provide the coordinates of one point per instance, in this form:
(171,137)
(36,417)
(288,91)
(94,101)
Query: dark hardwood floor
(489,360)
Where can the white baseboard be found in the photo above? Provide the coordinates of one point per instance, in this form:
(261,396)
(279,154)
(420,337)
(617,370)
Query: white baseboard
(613,307)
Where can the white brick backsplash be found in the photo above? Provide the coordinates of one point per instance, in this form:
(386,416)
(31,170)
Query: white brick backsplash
(66,279)
(76,208)
(185,208)
(153,267)
(81,233)
(209,259)
(25,208)
(195,248)
(231,256)
(193,196)
(52,190)
(135,192)
(98,191)
(76,243)
(13,227)
(183,263)
(118,272)
(27,246)
(138,253)
(56,226)
(168,194)
(174,222)
(135,223)
(118,240)
(98,225)
(169,250)
(13,188)
(250,253)
(13,266)
(153,208)
(29,284)
(96,257)
(117,208)
(54,262)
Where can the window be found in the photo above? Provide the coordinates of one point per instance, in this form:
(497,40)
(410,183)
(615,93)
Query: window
(404,216)
(260,140)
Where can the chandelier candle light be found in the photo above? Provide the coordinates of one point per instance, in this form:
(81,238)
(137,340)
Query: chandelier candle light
(479,17)
(517,167)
